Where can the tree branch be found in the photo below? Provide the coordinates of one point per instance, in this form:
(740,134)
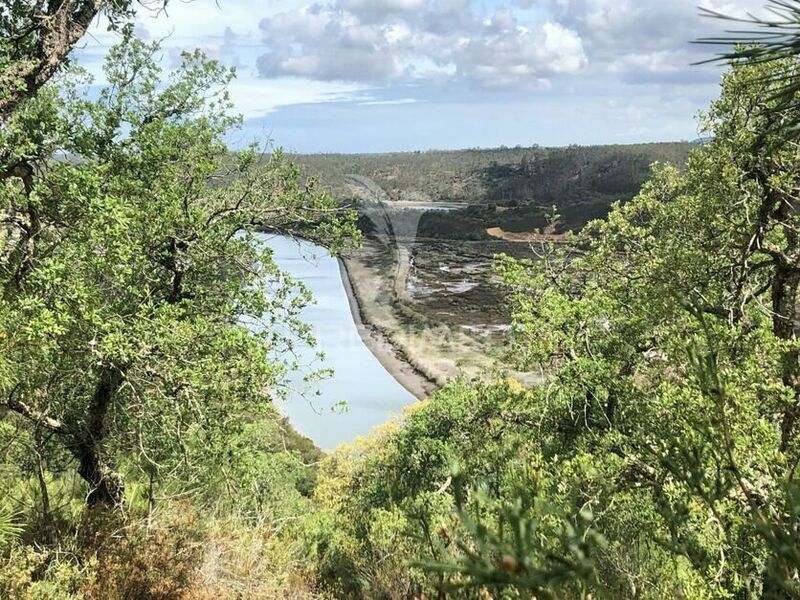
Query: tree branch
(37,417)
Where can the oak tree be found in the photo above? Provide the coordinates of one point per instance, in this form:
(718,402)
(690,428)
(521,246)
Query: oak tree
(131,275)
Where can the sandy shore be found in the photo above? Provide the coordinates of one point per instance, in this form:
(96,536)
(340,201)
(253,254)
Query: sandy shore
(392,360)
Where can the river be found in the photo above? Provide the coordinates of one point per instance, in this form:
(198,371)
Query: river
(370,394)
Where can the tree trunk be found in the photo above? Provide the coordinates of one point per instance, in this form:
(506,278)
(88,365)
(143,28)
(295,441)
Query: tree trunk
(784,306)
(48,524)
(106,486)
(58,30)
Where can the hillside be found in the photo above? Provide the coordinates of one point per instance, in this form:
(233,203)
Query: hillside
(510,188)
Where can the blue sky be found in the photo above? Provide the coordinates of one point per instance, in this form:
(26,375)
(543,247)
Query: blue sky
(382,75)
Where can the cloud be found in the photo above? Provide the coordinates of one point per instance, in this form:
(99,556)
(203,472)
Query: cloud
(509,56)
(522,45)
(226,32)
(325,44)
(388,102)
(351,74)
(258,97)
(389,41)
(641,41)
(379,10)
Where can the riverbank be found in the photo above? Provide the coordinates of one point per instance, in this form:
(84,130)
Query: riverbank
(397,365)
(430,314)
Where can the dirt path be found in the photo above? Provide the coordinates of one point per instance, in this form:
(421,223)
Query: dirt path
(548,235)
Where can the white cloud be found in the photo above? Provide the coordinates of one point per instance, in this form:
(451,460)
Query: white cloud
(346,41)
(510,55)
(388,102)
(255,98)
(630,37)
(571,60)
(226,32)
(563,48)
(381,42)
(379,9)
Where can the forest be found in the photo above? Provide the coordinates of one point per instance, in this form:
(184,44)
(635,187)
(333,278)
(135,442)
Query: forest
(141,452)
(513,188)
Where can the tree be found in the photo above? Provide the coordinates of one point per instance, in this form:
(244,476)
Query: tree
(36,37)
(130,271)
(672,330)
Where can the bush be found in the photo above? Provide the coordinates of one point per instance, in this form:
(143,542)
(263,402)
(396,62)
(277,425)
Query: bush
(137,562)
(30,574)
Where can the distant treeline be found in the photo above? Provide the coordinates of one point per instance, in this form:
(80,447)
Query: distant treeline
(512,188)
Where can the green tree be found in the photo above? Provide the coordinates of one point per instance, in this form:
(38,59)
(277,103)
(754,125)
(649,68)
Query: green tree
(672,330)
(141,322)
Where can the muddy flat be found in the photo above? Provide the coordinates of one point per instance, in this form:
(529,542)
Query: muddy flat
(439,304)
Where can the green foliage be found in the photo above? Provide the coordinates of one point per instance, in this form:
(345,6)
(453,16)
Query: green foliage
(515,554)
(397,501)
(132,277)
(9,526)
(669,414)
(26,573)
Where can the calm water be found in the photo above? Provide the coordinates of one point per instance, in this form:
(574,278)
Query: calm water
(372,396)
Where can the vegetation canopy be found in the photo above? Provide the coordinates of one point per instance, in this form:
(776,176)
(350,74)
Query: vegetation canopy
(145,332)
(130,265)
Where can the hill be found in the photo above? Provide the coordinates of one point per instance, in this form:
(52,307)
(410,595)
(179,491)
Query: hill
(509,188)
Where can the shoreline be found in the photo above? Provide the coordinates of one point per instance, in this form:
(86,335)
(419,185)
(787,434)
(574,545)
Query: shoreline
(417,384)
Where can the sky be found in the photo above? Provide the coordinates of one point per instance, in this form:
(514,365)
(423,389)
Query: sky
(392,75)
